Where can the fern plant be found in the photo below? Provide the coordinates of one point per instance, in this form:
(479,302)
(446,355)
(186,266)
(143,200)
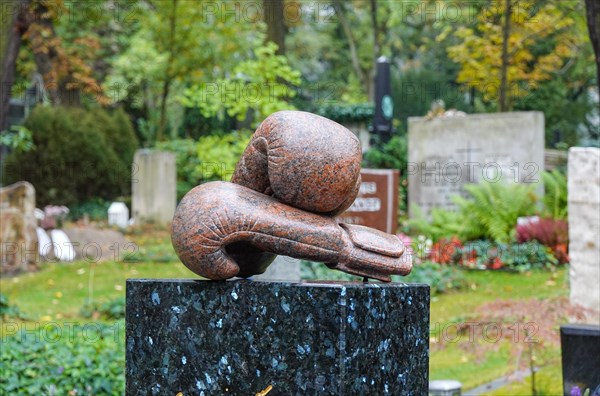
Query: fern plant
(495,207)
(489,211)
(445,224)
(555,195)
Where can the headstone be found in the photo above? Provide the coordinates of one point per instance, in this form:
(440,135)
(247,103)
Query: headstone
(376,205)
(384,104)
(63,247)
(584,226)
(580,350)
(284,268)
(445,153)
(118,215)
(18,236)
(154,184)
(242,337)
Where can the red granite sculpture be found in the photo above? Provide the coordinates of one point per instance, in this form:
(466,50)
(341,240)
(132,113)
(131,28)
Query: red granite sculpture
(298,171)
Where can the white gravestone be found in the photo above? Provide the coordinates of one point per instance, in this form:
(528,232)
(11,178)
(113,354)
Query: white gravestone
(445,153)
(153,185)
(584,226)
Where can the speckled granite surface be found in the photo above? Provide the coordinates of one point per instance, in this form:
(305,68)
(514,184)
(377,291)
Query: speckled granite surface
(238,337)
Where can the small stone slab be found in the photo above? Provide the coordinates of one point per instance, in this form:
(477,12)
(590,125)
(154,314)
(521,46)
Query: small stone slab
(239,337)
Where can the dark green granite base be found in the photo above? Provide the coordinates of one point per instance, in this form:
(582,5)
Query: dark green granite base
(238,337)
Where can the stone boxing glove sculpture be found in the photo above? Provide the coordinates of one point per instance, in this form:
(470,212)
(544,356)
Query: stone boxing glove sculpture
(297,172)
(304,160)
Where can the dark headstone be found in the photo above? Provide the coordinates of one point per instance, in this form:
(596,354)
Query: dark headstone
(384,105)
(580,346)
(239,337)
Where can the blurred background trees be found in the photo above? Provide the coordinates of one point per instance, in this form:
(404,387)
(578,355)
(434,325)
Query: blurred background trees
(184,69)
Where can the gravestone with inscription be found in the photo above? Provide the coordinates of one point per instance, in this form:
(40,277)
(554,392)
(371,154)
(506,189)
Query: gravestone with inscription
(376,205)
(445,153)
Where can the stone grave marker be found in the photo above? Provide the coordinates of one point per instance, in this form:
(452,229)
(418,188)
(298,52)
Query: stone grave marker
(445,153)
(18,237)
(154,187)
(584,226)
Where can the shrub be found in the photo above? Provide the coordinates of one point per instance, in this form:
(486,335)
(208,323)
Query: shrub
(8,310)
(74,158)
(440,278)
(549,232)
(362,112)
(95,208)
(82,360)
(392,155)
(483,254)
(514,256)
(555,195)
(112,309)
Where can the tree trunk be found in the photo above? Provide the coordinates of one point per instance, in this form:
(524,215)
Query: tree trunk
(168,78)
(43,42)
(275,20)
(503,94)
(11,42)
(593,22)
(376,48)
(340,11)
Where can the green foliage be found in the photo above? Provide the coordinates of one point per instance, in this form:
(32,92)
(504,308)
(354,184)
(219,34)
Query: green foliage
(95,208)
(344,113)
(555,195)
(8,310)
(79,155)
(414,91)
(83,360)
(392,155)
(174,45)
(440,278)
(445,224)
(211,157)
(261,85)
(112,309)
(489,211)
(18,138)
(496,207)
(513,256)
(310,270)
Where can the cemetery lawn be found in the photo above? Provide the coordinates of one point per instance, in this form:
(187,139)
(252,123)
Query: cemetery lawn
(59,290)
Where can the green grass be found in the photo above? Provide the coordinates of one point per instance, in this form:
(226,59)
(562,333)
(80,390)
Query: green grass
(58,291)
(548,382)
(455,361)
(485,286)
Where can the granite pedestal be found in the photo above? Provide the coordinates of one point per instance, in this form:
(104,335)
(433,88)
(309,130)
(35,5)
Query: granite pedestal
(239,337)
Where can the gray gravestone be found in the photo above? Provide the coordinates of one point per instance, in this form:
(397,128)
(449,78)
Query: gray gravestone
(445,153)
(584,226)
(284,268)
(154,187)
